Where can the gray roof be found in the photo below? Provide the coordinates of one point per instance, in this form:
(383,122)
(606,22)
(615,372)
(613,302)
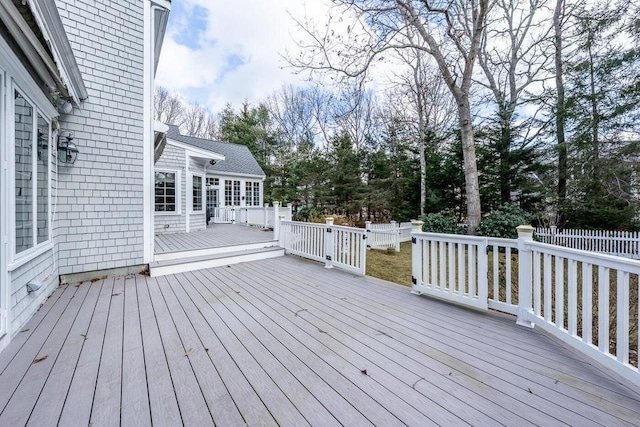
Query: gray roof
(238,158)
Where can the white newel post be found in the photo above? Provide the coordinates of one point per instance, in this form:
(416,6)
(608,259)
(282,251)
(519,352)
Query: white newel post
(525,271)
(281,237)
(416,256)
(276,222)
(266,215)
(328,242)
(367,227)
(290,217)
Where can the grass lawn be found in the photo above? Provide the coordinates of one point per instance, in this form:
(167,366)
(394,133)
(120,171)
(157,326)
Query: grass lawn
(391,266)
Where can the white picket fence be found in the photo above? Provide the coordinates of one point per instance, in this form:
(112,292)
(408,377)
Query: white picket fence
(619,243)
(383,236)
(575,295)
(336,246)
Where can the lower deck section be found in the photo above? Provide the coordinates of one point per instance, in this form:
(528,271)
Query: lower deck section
(287,342)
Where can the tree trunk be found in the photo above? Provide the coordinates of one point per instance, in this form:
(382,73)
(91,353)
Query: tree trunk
(472,186)
(563,172)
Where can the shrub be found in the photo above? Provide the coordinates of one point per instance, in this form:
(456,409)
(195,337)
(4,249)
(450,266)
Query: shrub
(445,222)
(502,222)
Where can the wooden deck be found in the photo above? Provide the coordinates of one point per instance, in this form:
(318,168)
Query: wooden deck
(287,342)
(215,236)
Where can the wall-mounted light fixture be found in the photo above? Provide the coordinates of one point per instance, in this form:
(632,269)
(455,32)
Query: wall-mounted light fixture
(213,162)
(67,150)
(43,145)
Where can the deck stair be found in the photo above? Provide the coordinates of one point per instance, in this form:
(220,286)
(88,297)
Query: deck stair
(183,261)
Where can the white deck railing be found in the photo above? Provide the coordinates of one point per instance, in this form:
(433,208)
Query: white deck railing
(619,243)
(575,295)
(252,215)
(337,246)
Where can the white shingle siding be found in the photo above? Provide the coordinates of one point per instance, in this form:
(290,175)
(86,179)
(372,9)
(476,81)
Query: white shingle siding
(173,158)
(100,208)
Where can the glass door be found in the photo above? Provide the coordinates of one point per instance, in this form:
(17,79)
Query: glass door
(212,198)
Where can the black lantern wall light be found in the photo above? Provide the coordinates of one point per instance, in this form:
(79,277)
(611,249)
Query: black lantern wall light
(67,150)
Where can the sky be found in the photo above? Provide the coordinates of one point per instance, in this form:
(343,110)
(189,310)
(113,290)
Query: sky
(227,51)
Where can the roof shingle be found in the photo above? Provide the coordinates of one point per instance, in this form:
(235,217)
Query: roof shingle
(238,158)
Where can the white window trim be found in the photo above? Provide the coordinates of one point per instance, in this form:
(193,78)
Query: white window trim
(178,192)
(19,259)
(190,193)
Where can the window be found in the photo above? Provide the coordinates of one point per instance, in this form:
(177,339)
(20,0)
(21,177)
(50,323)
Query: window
(256,194)
(212,194)
(252,193)
(231,193)
(166,191)
(248,191)
(197,193)
(32,162)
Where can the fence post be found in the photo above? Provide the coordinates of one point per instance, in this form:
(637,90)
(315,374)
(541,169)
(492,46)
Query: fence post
(328,242)
(525,270)
(233,215)
(266,215)
(290,206)
(553,234)
(276,223)
(416,256)
(367,227)
(396,237)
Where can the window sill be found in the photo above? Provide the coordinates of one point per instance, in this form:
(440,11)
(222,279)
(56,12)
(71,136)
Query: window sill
(167,213)
(32,254)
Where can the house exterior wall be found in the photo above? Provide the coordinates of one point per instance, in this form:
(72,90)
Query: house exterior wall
(173,159)
(100,208)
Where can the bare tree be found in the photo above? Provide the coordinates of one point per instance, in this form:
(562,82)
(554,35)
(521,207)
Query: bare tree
(429,107)
(563,167)
(195,120)
(450,31)
(168,108)
(512,57)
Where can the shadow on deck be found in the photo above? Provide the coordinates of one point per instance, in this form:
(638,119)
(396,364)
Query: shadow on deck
(288,342)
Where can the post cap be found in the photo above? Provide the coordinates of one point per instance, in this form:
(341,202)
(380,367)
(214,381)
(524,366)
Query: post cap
(276,203)
(416,225)
(525,231)
(329,220)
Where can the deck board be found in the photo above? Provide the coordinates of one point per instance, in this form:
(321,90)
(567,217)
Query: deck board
(453,351)
(214,236)
(284,342)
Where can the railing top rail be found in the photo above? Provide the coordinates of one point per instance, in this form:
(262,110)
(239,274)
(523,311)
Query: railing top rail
(609,261)
(462,238)
(303,224)
(352,229)
(498,241)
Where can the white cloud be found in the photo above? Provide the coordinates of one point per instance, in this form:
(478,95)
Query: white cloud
(257,31)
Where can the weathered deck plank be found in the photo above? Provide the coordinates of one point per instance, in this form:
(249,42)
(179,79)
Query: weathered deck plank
(221,405)
(284,342)
(135,397)
(162,397)
(53,394)
(107,399)
(79,397)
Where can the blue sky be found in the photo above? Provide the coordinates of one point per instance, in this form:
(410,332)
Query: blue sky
(218,51)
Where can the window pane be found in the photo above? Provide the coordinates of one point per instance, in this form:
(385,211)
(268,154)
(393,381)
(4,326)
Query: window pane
(165,192)
(228,193)
(256,194)
(197,193)
(43,179)
(24,173)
